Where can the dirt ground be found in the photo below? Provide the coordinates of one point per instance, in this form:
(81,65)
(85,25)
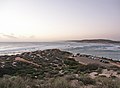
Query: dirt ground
(85,60)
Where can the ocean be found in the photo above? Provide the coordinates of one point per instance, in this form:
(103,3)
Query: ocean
(110,51)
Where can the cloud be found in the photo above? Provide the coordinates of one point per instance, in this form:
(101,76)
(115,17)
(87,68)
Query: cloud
(8,35)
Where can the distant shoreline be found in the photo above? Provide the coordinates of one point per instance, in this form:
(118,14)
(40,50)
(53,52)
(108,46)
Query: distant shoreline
(103,41)
(106,41)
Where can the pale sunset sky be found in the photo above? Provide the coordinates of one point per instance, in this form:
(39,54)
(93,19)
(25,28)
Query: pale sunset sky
(54,20)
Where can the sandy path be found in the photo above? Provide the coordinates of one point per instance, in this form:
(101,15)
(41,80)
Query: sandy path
(116,64)
(85,61)
(26,61)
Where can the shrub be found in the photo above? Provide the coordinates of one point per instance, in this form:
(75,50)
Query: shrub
(92,66)
(107,83)
(115,68)
(87,80)
(71,62)
(12,82)
(88,68)
(20,82)
(60,83)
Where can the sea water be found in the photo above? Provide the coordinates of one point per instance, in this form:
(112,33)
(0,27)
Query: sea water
(111,51)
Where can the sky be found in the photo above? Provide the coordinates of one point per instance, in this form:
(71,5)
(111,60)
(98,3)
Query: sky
(54,20)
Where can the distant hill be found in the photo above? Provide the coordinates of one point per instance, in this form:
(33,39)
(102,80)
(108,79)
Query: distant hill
(96,41)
